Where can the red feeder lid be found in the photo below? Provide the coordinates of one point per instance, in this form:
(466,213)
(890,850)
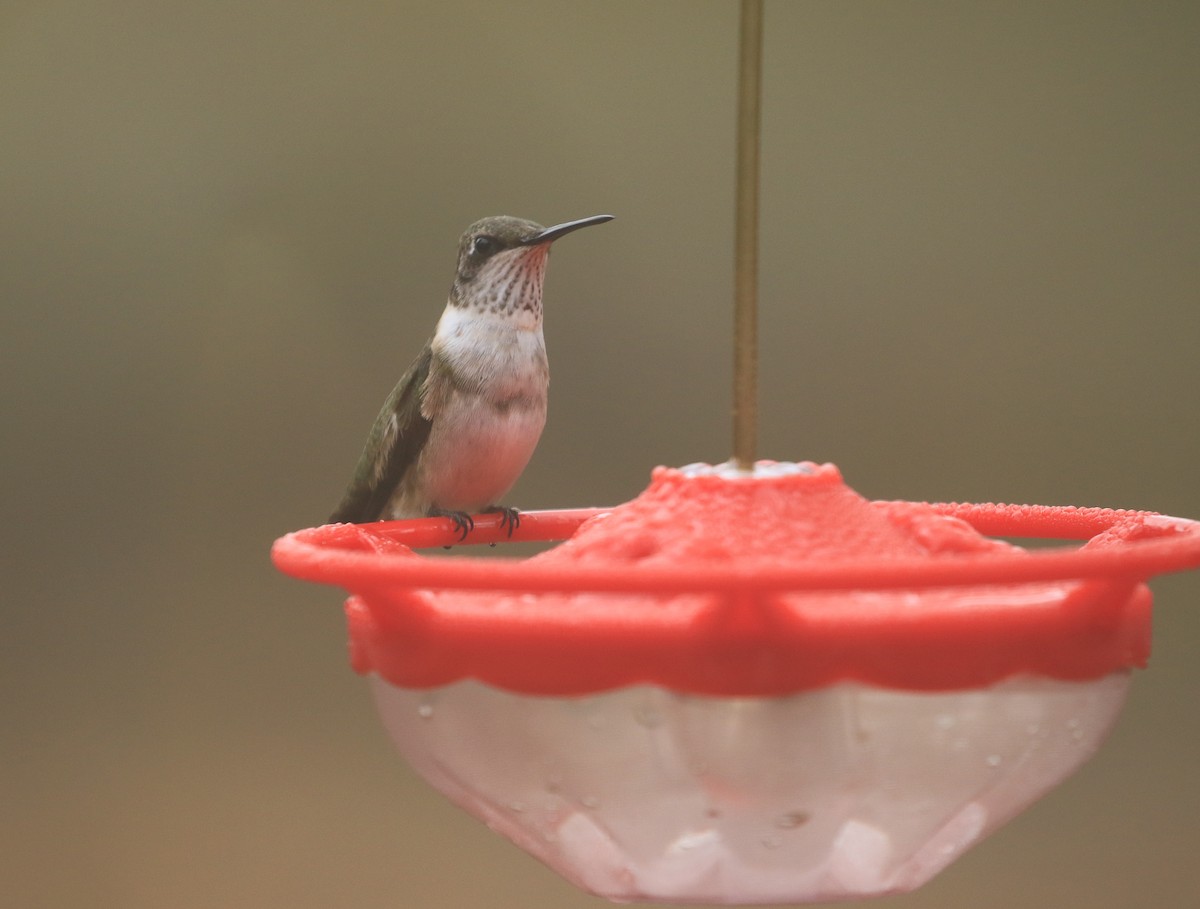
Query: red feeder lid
(719,583)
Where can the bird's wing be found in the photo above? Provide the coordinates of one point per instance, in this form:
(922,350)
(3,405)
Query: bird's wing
(396,439)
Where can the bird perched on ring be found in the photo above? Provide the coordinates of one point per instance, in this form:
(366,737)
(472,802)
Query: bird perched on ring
(458,429)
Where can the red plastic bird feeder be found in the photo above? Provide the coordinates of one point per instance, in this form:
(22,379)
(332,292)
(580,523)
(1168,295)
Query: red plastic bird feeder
(751,687)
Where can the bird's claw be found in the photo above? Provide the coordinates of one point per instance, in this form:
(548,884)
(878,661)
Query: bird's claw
(510,518)
(463,522)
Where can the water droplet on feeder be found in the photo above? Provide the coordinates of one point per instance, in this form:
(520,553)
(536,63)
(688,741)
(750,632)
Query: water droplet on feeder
(792,820)
(693,839)
(994,760)
(773,841)
(425,710)
(590,802)
(647,716)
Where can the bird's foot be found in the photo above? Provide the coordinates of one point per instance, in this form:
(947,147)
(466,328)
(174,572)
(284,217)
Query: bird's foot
(463,522)
(509,517)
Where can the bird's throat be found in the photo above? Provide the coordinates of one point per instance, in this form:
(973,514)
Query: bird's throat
(509,284)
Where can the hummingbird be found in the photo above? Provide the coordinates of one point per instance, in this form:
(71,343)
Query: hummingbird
(459,427)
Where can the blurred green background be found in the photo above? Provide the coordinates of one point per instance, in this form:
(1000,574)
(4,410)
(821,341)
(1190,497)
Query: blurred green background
(226,228)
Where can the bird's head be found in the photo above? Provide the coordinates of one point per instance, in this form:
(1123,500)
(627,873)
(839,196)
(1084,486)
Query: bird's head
(502,260)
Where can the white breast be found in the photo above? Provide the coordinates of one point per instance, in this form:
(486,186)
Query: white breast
(486,427)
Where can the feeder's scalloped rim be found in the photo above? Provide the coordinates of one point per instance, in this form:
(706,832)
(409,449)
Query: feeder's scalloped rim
(358,556)
(749,628)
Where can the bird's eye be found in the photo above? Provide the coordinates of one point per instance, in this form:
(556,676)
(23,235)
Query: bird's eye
(484,246)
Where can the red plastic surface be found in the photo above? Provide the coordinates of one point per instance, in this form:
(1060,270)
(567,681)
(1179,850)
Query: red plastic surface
(752,586)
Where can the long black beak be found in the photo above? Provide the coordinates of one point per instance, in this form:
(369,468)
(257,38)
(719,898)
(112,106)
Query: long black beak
(548,234)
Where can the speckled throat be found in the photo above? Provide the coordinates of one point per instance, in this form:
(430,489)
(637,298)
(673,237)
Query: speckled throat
(508,283)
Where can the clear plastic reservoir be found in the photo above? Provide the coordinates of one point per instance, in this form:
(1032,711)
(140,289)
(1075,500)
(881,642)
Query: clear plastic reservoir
(852,790)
